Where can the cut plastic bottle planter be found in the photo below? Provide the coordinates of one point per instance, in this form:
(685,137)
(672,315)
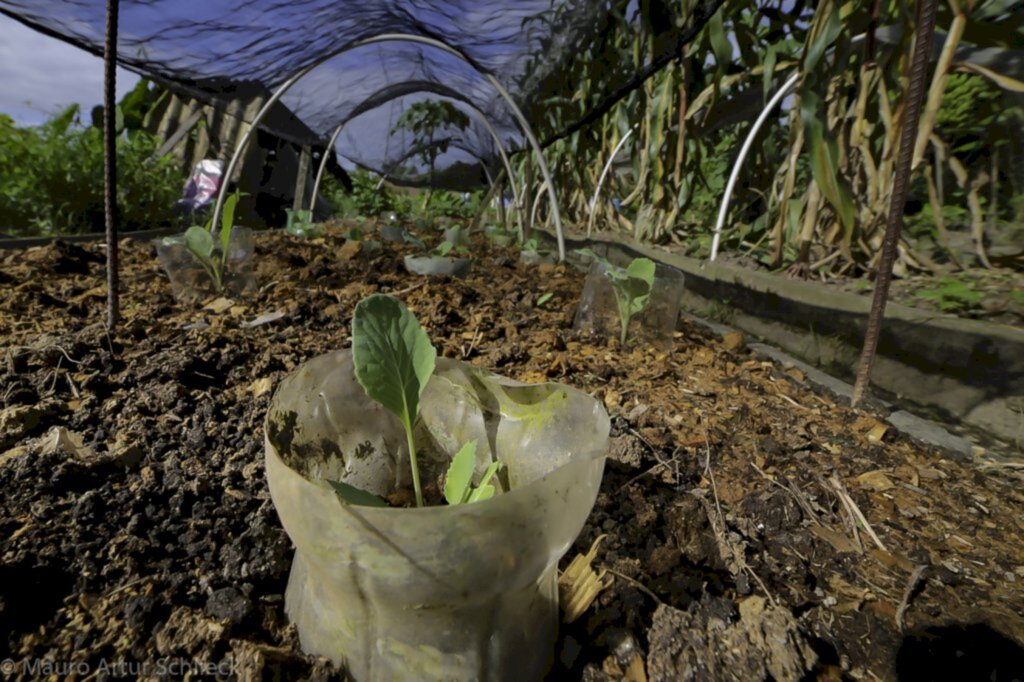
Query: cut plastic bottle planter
(191,282)
(598,313)
(436,266)
(463,592)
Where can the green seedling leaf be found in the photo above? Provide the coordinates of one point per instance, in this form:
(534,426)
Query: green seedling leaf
(638,283)
(444,248)
(227,221)
(352,495)
(485,491)
(393,360)
(199,242)
(460,474)
(393,355)
(414,240)
(544,298)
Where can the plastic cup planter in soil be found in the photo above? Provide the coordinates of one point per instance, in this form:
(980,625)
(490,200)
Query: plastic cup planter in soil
(456,235)
(533,254)
(598,312)
(438,265)
(192,282)
(465,592)
(498,235)
(391,227)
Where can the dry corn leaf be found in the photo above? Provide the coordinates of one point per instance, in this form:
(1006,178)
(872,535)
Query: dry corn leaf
(579,584)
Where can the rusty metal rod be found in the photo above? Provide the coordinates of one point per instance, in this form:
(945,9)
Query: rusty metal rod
(894,224)
(110,163)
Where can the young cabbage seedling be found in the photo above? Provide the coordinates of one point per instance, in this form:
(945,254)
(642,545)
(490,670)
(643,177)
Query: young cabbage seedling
(446,248)
(393,360)
(458,485)
(199,241)
(300,223)
(632,286)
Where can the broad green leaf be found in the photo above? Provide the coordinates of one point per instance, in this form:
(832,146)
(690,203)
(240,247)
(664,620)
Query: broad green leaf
(199,242)
(392,354)
(352,495)
(444,248)
(460,474)
(639,284)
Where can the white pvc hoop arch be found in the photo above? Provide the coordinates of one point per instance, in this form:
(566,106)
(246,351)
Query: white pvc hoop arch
(323,165)
(417,149)
(483,119)
(604,173)
(404,37)
(744,150)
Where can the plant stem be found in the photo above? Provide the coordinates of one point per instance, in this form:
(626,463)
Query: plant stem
(623,304)
(414,465)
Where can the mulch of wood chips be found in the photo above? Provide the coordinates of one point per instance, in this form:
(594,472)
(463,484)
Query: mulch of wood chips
(755,527)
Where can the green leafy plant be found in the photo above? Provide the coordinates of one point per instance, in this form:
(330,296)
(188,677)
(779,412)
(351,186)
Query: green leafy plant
(300,224)
(53,177)
(394,360)
(952,295)
(426,120)
(200,242)
(446,248)
(458,485)
(632,286)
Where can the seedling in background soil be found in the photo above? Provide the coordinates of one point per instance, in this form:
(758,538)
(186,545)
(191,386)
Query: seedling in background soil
(632,286)
(394,359)
(952,295)
(543,298)
(300,224)
(446,248)
(199,240)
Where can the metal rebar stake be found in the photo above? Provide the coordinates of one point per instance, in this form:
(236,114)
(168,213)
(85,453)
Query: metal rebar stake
(926,10)
(110,164)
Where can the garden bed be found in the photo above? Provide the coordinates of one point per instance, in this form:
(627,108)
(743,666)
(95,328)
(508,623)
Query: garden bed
(137,524)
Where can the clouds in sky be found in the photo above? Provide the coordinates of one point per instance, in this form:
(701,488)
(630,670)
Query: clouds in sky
(40,75)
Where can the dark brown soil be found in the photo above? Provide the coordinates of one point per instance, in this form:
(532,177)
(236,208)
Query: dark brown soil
(136,522)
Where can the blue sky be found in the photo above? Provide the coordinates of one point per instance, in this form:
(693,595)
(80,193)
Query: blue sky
(40,75)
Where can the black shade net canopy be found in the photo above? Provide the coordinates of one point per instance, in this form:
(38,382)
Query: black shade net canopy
(212,48)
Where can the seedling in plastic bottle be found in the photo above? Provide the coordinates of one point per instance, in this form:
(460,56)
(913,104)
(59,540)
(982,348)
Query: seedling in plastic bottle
(199,240)
(632,286)
(394,359)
